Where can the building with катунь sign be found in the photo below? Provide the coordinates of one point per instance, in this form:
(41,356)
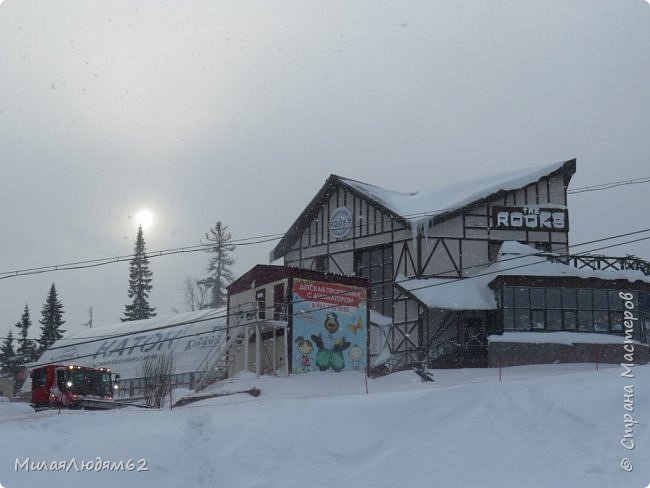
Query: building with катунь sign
(476,273)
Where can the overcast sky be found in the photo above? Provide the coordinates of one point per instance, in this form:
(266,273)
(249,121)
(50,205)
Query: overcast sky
(238,111)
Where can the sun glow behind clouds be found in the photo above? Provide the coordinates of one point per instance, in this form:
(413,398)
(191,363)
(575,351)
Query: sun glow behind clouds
(144,217)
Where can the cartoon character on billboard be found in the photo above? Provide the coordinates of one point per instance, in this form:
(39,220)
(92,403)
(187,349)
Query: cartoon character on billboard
(356,355)
(330,356)
(305,347)
(331,323)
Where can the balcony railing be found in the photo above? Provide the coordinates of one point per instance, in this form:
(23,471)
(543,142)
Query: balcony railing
(598,262)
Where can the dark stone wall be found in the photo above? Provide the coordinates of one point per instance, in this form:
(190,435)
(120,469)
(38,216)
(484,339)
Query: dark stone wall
(519,353)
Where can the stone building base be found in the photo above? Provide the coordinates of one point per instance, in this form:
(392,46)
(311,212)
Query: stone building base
(518,353)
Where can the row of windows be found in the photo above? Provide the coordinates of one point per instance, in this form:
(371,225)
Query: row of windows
(553,320)
(561,298)
(582,309)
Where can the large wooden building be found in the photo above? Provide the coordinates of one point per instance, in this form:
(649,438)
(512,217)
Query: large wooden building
(439,268)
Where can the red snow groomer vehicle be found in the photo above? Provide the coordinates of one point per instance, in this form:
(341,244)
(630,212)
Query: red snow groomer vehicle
(70,386)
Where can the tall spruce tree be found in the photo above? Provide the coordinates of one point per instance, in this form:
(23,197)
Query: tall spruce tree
(139,283)
(26,350)
(8,360)
(51,320)
(219,273)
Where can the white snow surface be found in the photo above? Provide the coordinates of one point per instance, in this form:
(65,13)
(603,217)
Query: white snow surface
(560,337)
(514,258)
(414,205)
(542,426)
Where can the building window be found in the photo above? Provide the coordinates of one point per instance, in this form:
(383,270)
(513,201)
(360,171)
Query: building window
(376,265)
(260,297)
(570,320)
(279,302)
(320,263)
(39,378)
(554,309)
(542,246)
(493,249)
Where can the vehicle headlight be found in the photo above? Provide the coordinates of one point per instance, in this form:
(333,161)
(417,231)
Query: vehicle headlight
(68,384)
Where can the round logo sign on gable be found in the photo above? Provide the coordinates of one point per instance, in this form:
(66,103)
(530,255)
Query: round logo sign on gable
(341,222)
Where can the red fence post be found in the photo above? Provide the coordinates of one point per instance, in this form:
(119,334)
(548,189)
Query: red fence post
(500,363)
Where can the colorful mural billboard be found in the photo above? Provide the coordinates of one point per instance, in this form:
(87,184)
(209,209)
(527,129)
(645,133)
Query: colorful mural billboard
(330,327)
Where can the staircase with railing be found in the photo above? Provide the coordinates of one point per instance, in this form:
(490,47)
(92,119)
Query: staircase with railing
(218,360)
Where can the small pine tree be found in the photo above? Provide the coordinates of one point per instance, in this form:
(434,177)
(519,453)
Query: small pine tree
(8,359)
(51,320)
(139,283)
(26,348)
(219,272)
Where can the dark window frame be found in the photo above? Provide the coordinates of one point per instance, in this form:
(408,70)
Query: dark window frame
(377,264)
(533,308)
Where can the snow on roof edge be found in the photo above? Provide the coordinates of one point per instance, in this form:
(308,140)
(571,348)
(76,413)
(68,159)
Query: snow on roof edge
(418,205)
(559,337)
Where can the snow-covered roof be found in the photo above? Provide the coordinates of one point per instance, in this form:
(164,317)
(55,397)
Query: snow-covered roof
(413,206)
(121,347)
(437,203)
(451,293)
(513,259)
(379,320)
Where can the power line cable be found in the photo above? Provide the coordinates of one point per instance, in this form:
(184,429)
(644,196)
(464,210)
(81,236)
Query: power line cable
(93,263)
(611,184)
(269,308)
(254,240)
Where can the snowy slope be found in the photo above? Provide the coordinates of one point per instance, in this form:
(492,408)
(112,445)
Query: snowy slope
(542,426)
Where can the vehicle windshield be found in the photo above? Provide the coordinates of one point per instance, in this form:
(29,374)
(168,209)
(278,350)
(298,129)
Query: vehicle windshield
(83,382)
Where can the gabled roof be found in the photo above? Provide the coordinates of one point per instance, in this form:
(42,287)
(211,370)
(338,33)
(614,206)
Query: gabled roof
(412,208)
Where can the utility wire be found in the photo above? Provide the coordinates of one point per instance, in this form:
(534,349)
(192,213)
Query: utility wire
(227,327)
(607,186)
(271,307)
(255,239)
(93,263)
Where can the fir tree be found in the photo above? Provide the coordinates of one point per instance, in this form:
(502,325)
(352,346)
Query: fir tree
(8,360)
(219,273)
(51,320)
(26,348)
(139,283)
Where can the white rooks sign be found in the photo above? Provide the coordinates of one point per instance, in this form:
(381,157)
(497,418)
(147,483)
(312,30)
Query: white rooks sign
(530,218)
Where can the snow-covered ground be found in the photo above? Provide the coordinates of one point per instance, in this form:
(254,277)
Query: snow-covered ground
(542,426)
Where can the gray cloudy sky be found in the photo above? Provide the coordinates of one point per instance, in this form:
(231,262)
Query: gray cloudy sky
(238,111)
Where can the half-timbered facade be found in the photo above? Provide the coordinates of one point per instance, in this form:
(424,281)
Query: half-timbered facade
(396,239)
